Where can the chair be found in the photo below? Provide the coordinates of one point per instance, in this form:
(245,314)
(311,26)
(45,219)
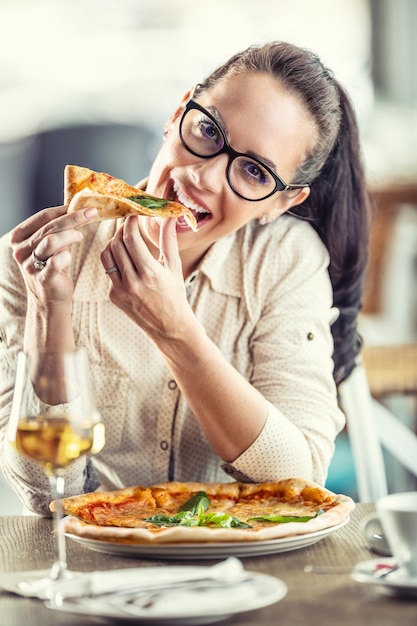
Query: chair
(372,428)
(32,167)
(387,368)
(17,164)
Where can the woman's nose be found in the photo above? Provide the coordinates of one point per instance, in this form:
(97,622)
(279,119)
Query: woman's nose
(210,174)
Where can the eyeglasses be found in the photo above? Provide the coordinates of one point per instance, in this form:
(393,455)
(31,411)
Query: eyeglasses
(248,177)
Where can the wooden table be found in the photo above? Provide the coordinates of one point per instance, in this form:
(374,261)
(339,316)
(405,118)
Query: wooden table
(318,599)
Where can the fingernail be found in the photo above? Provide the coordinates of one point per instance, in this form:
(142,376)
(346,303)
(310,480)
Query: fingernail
(89,213)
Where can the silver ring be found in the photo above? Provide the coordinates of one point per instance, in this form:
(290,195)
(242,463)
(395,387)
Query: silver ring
(38,264)
(112,269)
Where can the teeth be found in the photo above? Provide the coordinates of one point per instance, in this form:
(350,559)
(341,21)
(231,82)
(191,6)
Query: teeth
(186,201)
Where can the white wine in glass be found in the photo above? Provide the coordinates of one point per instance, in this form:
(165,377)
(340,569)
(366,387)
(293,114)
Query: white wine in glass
(54,421)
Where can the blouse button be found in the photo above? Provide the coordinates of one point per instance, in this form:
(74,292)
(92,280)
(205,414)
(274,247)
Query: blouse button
(172,384)
(164,445)
(310,336)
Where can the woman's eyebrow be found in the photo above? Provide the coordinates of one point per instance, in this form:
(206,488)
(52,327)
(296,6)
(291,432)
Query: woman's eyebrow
(250,153)
(217,117)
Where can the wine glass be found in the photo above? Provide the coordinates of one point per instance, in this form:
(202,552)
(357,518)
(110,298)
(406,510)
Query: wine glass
(54,421)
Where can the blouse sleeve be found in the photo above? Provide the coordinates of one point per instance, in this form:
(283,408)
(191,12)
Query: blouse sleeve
(27,478)
(292,349)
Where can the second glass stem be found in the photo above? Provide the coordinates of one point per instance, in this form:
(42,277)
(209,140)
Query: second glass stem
(59,567)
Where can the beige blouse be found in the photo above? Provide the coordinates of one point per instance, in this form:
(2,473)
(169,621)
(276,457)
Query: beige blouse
(264,296)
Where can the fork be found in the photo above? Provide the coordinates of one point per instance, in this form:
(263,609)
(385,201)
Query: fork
(146,599)
(381,569)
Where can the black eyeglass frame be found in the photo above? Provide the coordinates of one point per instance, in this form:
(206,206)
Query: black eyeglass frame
(280,185)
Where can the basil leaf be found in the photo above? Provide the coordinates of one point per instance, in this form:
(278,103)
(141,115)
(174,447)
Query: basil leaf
(170,520)
(200,500)
(189,518)
(186,518)
(161,520)
(195,506)
(192,513)
(224,520)
(150,202)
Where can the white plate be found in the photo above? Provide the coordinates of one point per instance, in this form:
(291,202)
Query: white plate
(395,583)
(208,550)
(203,606)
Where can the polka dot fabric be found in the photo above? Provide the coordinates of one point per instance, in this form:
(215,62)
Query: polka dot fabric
(264,297)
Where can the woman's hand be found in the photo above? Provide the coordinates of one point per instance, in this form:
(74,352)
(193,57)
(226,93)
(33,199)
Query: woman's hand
(150,291)
(41,247)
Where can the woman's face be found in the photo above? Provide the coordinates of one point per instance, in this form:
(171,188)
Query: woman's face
(259,118)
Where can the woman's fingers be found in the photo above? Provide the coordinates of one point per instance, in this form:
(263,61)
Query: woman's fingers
(41,247)
(107,258)
(149,290)
(108,262)
(32,224)
(129,252)
(29,252)
(130,249)
(53,265)
(48,231)
(50,221)
(169,254)
(54,243)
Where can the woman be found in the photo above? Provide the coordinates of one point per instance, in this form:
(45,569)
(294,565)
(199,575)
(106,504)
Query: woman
(211,351)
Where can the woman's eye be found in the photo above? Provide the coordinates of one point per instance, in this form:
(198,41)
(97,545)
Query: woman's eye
(254,173)
(211,132)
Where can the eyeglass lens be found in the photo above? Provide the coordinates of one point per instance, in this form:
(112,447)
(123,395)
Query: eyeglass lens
(203,137)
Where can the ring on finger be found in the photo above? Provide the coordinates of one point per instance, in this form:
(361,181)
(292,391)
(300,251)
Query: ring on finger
(38,264)
(112,269)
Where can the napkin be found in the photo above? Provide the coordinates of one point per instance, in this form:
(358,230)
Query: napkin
(194,599)
(35,584)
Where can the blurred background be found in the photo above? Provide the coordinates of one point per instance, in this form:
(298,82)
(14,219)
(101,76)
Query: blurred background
(92,82)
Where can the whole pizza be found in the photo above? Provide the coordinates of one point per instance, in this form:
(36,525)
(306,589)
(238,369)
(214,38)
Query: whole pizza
(189,512)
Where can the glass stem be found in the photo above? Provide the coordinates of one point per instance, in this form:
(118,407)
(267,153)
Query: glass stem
(59,568)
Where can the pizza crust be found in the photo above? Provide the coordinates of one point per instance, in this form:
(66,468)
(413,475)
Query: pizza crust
(77,178)
(336,507)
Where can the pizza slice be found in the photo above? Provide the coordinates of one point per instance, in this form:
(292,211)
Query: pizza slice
(114,198)
(191,512)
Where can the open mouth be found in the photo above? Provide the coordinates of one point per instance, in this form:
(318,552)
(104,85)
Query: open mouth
(200,213)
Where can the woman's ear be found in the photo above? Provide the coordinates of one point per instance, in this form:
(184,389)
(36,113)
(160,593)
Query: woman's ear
(284,203)
(296,196)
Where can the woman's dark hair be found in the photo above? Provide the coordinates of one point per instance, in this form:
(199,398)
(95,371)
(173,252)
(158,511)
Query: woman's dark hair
(339,206)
